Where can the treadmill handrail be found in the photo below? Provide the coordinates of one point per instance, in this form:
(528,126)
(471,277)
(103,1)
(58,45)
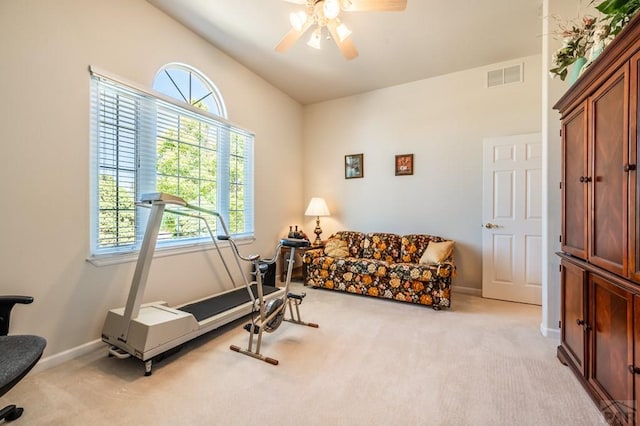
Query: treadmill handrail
(161,197)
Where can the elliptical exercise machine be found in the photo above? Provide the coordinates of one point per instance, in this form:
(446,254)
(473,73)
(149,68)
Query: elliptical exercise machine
(271,313)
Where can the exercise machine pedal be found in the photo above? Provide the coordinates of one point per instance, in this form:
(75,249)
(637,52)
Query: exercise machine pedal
(297,297)
(256,328)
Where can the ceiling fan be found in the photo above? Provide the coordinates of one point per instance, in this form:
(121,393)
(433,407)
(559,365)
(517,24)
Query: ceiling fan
(324,14)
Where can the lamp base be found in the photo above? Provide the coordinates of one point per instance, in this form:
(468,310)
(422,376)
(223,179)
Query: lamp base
(317,242)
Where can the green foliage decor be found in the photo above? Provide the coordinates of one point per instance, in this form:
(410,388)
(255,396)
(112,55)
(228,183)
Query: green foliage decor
(587,38)
(617,13)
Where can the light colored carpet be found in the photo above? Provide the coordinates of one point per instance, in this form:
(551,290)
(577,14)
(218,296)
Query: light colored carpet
(371,362)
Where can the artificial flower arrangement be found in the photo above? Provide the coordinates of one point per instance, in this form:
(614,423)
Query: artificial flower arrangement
(587,38)
(577,40)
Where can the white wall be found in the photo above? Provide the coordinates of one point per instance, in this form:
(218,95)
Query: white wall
(44,220)
(554,12)
(442,121)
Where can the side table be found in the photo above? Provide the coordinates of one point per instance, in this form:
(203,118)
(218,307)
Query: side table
(299,272)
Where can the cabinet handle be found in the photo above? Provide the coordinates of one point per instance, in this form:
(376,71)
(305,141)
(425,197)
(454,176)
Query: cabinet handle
(628,167)
(634,370)
(582,179)
(584,325)
(585,179)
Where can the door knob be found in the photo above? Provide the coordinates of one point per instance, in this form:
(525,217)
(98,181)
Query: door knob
(491,226)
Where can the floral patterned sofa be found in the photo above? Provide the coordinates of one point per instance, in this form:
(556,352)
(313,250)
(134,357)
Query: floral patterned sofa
(383,265)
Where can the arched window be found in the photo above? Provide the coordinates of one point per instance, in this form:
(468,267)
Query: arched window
(143,143)
(189,85)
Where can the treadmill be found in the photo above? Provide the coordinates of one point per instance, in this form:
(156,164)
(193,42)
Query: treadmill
(147,331)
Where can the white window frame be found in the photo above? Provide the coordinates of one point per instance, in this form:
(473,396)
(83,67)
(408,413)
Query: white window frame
(105,256)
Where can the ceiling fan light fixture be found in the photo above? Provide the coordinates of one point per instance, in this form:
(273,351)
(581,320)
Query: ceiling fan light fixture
(343,32)
(316,37)
(298,19)
(322,14)
(331,8)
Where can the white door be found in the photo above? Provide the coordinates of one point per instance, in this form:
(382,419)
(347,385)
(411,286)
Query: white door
(512,218)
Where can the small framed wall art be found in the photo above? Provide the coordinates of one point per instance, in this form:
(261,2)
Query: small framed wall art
(353,166)
(404,164)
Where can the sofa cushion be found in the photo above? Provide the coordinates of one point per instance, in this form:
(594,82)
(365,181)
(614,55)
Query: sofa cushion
(407,272)
(414,246)
(354,241)
(336,248)
(382,246)
(437,252)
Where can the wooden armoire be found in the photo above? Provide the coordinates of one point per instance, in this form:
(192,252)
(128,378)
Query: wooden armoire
(600,257)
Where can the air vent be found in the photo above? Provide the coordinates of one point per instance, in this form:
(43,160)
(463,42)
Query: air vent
(507,75)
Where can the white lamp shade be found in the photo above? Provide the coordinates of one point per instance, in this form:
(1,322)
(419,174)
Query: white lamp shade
(317,207)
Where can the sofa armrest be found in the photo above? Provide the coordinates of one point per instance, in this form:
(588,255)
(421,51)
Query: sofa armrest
(446,268)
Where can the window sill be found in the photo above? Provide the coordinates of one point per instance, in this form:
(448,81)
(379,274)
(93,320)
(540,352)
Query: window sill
(115,258)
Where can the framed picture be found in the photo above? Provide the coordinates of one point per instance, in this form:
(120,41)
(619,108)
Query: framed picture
(404,164)
(353,166)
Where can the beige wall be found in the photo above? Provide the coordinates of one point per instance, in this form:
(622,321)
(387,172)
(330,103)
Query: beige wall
(442,121)
(46,49)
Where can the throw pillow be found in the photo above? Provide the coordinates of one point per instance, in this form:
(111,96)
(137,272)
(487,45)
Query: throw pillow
(437,252)
(336,248)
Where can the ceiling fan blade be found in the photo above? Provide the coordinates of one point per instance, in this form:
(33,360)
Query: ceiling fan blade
(346,46)
(348,49)
(375,5)
(291,37)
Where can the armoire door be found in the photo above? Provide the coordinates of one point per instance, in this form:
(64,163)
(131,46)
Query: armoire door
(574,185)
(609,142)
(611,345)
(574,315)
(634,184)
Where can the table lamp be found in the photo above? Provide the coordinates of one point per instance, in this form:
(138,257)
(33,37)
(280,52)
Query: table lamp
(317,207)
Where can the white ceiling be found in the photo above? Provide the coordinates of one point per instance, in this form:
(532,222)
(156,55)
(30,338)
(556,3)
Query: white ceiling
(429,38)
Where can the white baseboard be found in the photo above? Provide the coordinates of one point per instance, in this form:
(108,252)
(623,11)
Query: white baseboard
(551,333)
(467,290)
(59,358)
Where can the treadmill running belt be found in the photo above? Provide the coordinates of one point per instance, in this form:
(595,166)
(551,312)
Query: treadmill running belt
(223,302)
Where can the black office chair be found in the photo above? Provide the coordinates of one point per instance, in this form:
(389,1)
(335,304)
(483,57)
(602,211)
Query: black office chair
(18,354)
